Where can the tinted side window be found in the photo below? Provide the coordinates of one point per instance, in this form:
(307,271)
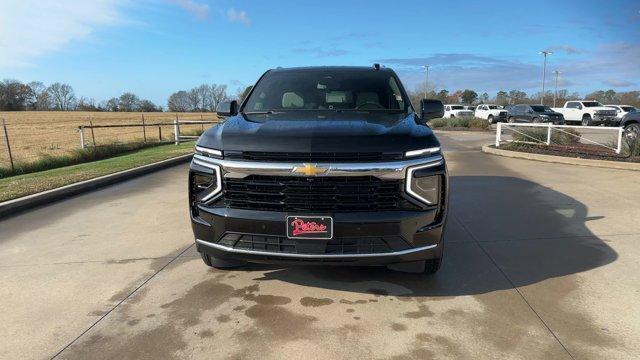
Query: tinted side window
(572,105)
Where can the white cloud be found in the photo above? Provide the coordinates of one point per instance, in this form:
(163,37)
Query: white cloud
(201,11)
(30,28)
(238,16)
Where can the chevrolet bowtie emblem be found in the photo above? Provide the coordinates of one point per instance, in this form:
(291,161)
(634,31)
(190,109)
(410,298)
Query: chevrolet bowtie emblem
(309,170)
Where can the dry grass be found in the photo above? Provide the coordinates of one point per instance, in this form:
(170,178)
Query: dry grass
(35,133)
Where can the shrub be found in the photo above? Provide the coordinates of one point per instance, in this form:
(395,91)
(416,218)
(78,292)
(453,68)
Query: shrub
(477,123)
(474,123)
(562,136)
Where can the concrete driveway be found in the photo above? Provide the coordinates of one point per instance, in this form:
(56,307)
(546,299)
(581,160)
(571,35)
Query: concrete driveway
(542,262)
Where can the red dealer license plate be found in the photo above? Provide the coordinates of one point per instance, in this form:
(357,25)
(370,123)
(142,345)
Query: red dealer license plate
(309,227)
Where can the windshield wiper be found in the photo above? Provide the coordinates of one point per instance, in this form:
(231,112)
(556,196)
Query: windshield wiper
(267,112)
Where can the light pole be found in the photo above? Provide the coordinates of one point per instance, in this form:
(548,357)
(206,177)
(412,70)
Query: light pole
(544,72)
(426,81)
(555,94)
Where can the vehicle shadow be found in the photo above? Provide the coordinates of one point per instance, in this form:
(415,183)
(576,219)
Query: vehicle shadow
(502,232)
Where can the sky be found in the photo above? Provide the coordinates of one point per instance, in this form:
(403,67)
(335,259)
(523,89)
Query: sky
(156,47)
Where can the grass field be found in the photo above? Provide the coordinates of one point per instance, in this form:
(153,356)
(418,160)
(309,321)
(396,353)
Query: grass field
(34,133)
(22,185)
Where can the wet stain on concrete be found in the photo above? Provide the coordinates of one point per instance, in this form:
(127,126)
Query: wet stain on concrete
(206,295)
(239,308)
(269,300)
(133,322)
(151,315)
(205,334)
(349,302)
(398,327)
(269,318)
(97,313)
(315,302)
(423,311)
(356,318)
(223,318)
(351,310)
(164,346)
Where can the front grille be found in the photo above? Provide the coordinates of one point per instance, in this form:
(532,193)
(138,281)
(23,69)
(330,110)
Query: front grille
(313,157)
(314,194)
(502,114)
(335,246)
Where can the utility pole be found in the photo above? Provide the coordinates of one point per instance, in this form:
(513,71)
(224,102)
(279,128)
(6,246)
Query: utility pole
(544,72)
(426,81)
(555,94)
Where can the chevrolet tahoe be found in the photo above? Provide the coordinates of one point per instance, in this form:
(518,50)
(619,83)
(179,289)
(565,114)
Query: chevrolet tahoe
(321,165)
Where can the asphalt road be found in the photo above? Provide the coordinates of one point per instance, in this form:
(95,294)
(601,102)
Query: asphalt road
(542,262)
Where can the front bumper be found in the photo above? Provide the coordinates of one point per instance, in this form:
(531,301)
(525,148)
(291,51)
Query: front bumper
(359,238)
(402,236)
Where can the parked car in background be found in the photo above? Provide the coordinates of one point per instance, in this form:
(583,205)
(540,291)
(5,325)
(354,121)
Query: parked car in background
(587,113)
(492,113)
(622,110)
(631,124)
(457,111)
(535,114)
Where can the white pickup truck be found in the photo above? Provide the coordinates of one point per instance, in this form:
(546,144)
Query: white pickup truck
(457,111)
(492,113)
(587,113)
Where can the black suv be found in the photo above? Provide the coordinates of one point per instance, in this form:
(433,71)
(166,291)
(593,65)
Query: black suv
(321,165)
(535,114)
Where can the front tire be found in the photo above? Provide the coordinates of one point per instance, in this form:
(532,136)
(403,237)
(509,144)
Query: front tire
(586,120)
(427,267)
(452,116)
(217,263)
(632,131)
(511,119)
(490,118)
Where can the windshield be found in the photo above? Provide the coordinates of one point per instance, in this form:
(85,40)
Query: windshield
(540,108)
(457,107)
(628,108)
(327,90)
(591,104)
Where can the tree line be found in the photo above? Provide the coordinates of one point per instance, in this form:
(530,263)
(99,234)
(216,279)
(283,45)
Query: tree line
(36,96)
(17,96)
(512,97)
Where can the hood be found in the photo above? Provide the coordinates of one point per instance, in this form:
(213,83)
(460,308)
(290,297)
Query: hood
(334,132)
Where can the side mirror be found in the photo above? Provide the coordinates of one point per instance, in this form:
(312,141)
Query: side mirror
(431,109)
(227,108)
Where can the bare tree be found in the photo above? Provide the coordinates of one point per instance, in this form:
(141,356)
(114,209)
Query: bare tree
(179,101)
(128,102)
(194,99)
(62,96)
(218,94)
(38,97)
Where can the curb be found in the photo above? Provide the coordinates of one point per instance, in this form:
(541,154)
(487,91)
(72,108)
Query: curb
(14,206)
(608,164)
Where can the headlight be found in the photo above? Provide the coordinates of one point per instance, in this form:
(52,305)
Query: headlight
(205,186)
(424,188)
(208,152)
(422,152)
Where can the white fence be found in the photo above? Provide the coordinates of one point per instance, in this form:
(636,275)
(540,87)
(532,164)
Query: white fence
(605,137)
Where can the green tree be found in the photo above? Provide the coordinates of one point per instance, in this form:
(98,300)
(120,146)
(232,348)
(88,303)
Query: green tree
(469,96)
